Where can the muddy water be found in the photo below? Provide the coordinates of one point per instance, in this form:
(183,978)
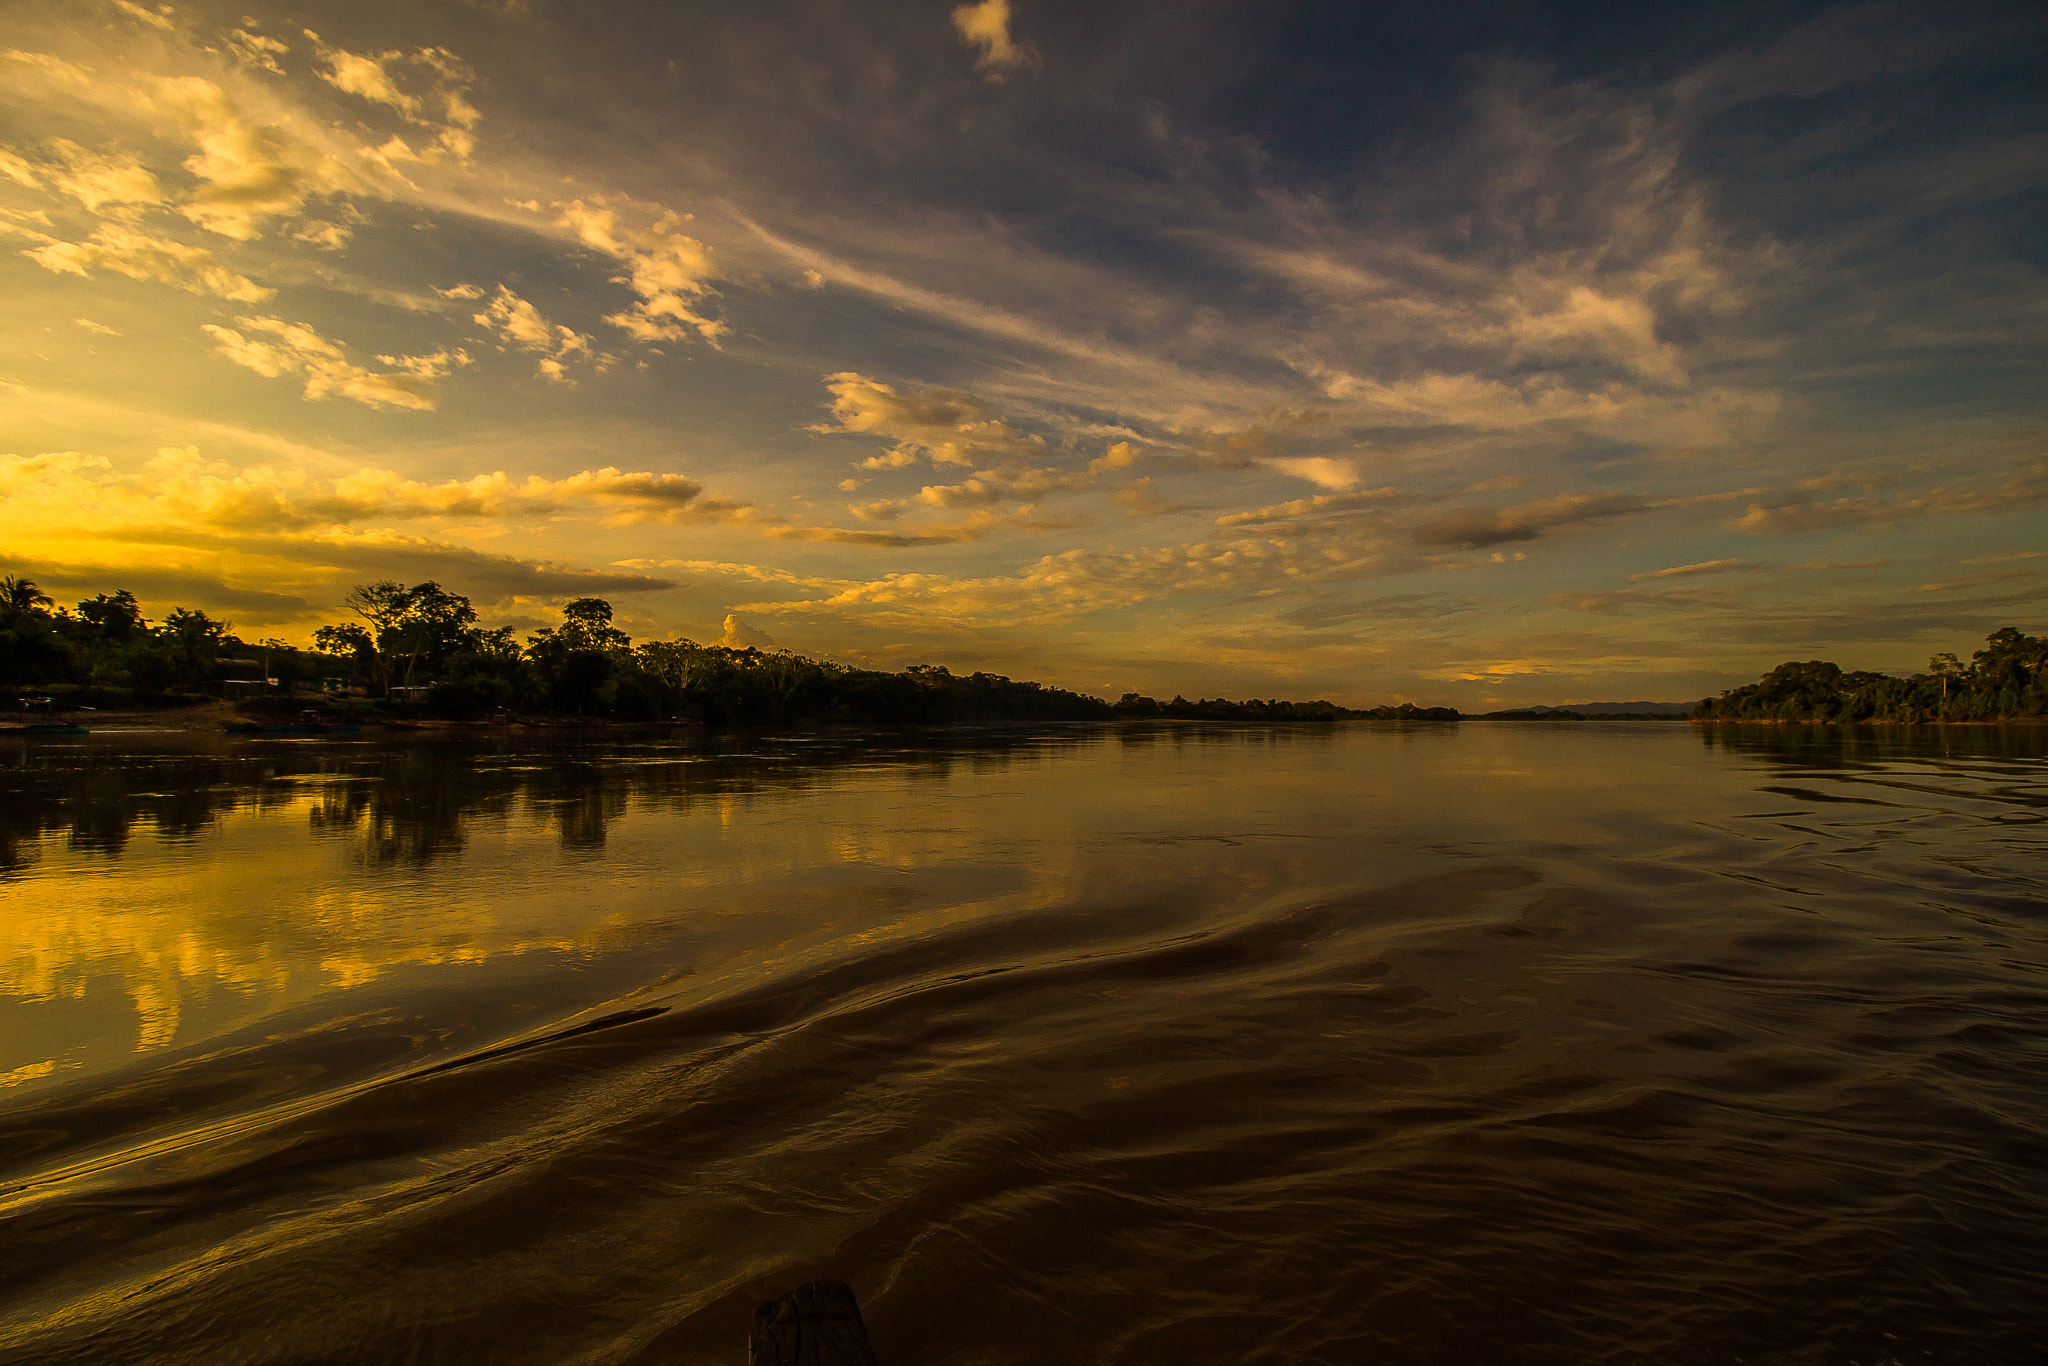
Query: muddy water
(1608,1042)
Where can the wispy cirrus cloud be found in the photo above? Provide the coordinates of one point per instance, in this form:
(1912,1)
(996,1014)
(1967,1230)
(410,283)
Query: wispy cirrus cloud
(1693,571)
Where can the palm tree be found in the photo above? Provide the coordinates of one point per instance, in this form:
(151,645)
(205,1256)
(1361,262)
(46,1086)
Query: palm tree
(22,595)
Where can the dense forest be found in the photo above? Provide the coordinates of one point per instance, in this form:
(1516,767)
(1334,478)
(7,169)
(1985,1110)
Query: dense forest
(418,651)
(2006,679)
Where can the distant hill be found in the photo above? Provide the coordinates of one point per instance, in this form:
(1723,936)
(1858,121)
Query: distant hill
(1596,710)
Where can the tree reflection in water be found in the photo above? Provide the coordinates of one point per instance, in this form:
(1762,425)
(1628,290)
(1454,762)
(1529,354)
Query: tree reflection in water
(411,803)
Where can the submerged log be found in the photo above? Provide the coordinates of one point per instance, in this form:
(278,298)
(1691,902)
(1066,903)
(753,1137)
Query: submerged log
(813,1325)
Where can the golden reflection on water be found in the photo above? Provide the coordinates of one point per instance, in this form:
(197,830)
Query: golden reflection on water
(155,898)
(129,927)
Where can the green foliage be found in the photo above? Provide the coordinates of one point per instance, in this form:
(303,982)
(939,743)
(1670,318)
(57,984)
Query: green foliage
(2007,678)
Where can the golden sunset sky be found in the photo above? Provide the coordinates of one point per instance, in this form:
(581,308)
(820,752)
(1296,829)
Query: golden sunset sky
(1477,356)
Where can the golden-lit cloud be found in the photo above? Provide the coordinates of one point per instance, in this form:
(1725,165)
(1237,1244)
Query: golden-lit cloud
(296,349)
(519,324)
(249,172)
(180,487)
(670,270)
(428,86)
(256,50)
(942,426)
(140,256)
(103,182)
(985,27)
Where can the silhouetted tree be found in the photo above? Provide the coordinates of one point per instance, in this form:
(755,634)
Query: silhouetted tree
(116,617)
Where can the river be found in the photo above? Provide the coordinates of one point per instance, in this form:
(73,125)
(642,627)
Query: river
(1601,1042)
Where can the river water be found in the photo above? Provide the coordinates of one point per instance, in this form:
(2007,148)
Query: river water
(1610,1042)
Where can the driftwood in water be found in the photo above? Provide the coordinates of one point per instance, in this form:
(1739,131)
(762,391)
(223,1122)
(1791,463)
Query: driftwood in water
(813,1325)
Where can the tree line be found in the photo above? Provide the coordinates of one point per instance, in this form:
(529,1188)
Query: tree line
(419,649)
(2006,679)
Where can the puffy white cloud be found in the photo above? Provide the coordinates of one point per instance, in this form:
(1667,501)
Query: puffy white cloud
(299,350)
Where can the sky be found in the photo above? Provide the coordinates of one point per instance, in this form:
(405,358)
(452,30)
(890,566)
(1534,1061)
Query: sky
(1477,355)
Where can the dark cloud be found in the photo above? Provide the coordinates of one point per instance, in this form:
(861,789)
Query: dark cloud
(162,589)
(1473,529)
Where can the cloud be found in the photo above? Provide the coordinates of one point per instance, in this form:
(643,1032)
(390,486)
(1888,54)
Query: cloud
(180,486)
(2025,487)
(1005,485)
(99,329)
(96,181)
(1477,528)
(159,18)
(140,256)
(438,99)
(1328,471)
(986,28)
(324,235)
(940,425)
(1805,514)
(1321,505)
(1687,571)
(18,170)
(740,636)
(892,540)
(669,270)
(251,171)
(1614,603)
(1474,529)
(255,50)
(518,323)
(299,350)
